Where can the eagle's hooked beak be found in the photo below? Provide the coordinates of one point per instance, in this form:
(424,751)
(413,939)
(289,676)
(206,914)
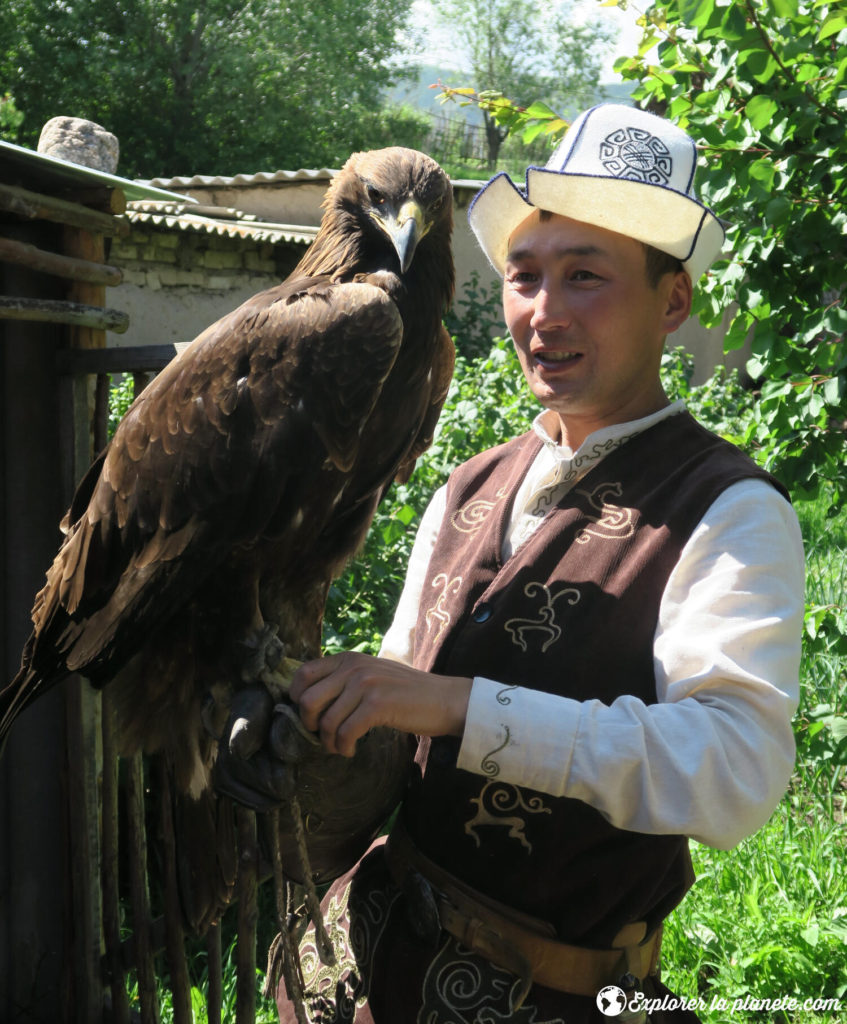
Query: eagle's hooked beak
(405,231)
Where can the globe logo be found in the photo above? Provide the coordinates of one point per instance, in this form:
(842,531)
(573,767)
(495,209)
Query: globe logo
(611,1000)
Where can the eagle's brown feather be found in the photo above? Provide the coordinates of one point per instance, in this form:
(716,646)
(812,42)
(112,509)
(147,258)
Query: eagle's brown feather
(247,473)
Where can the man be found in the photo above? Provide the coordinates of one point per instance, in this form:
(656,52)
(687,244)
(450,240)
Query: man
(598,640)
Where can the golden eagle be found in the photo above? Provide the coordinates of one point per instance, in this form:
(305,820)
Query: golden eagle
(201,543)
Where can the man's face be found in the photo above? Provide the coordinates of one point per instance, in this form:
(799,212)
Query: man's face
(588,328)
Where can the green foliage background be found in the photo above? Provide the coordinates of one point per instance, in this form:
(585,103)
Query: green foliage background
(531,49)
(210,86)
(761,87)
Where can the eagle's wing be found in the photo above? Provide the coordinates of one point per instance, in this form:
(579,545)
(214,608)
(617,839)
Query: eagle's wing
(202,462)
(442,374)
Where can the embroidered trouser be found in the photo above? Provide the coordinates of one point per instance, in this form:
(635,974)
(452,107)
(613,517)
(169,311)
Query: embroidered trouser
(386,974)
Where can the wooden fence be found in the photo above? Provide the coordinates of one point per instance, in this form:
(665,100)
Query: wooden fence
(131,859)
(116,913)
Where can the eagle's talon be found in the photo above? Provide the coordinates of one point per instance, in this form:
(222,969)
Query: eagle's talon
(289,739)
(250,721)
(266,651)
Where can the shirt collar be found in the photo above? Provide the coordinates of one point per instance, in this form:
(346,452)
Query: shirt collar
(602,440)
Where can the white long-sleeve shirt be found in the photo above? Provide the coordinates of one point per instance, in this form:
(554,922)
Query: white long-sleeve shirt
(712,758)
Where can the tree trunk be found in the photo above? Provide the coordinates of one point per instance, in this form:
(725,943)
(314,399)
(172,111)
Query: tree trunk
(494,139)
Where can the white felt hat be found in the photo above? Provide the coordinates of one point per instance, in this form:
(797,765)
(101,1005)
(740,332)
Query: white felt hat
(618,168)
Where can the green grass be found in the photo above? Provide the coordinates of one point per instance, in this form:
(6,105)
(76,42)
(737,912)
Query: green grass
(768,919)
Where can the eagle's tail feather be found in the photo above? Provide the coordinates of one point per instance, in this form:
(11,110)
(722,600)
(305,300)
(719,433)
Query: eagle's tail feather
(19,694)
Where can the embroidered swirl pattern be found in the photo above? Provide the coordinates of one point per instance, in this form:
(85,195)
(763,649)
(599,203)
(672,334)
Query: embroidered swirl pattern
(636,154)
(471,517)
(545,621)
(488,765)
(499,804)
(438,613)
(341,989)
(614,522)
(462,988)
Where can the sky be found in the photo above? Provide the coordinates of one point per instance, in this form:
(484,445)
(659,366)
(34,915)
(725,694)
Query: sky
(440,49)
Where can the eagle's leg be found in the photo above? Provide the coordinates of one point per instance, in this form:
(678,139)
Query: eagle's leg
(283,958)
(263,652)
(313,903)
(265,658)
(265,678)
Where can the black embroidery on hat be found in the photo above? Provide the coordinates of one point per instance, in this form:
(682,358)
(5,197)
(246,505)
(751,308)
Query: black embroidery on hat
(637,155)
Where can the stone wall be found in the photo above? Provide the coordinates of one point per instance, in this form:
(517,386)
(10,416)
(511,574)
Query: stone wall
(156,258)
(177,282)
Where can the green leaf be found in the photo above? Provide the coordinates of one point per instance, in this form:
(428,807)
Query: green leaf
(697,13)
(647,43)
(834,390)
(737,333)
(760,110)
(777,210)
(759,62)
(538,109)
(785,8)
(533,131)
(763,171)
(833,24)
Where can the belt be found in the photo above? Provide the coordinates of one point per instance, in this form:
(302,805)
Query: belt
(521,944)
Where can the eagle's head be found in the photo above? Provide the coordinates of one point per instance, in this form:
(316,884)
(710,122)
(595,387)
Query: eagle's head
(401,194)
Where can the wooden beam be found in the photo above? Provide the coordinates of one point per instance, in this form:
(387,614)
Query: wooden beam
(33,206)
(58,312)
(107,200)
(128,359)
(60,266)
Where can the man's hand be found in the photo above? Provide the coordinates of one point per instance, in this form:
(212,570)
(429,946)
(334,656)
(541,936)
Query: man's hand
(343,696)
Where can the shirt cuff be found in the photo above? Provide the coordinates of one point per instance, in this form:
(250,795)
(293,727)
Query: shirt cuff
(511,735)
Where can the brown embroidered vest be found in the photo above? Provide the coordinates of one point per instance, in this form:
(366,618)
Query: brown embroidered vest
(573,612)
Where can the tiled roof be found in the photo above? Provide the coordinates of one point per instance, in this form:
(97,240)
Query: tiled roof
(261,178)
(268,178)
(218,220)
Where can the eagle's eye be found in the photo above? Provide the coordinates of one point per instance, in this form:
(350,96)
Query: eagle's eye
(375,196)
(436,206)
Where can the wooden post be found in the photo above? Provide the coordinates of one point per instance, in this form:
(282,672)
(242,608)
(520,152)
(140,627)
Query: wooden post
(214,998)
(141,921)
(110,876)
(174,935)
(248,916)
(83,702)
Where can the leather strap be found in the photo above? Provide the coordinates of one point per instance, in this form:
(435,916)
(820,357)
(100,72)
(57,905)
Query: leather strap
(524,945)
